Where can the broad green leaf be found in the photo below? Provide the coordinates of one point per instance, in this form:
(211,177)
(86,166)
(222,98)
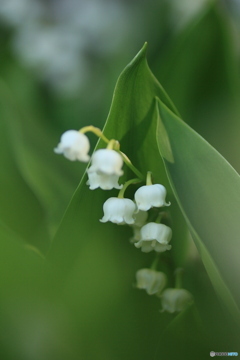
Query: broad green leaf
(51,178)
(204,52)
(186,332)
(26,305)
(129,121)
(20,210)
(202,327)
(20,265)
(94,260)
(207,189)
(199,70)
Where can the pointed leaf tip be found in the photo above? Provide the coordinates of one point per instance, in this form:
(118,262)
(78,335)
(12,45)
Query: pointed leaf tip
(141,54)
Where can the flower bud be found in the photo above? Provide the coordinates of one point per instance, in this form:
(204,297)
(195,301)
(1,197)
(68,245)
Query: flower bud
(175,300)
(118,211)
(148,196)
(74,146)
(151,280)
(103,181)
(106,161)
(154,236)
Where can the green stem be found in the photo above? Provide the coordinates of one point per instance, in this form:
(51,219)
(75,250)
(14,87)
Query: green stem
(159,218)
(125,186)
(155,262)
(113,145)
(96,131)
(131,166)
(178,280)
(149,178)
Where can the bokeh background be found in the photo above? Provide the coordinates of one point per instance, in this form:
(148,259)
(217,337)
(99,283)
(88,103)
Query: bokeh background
(59,63)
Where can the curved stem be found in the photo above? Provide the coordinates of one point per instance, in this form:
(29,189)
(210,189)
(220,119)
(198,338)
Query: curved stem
(149,178)
(96,131)
(113,145)
(131,166)
(125,186)
(159,218)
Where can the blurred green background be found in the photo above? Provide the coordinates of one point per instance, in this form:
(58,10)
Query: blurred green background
(59,63)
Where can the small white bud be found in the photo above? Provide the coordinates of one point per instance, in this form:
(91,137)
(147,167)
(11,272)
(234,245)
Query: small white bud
(103,181)
(175,300)
(154,236)
(74,146)
(106,161)
(151,280)
(118,211)
(148,196)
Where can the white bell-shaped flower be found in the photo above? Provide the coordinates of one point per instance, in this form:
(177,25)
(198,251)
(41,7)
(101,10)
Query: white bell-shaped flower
(74,146)
(154,236)
(103,181)
(106,161)
(148,196)
(175,300)
(151,280)
(118,211)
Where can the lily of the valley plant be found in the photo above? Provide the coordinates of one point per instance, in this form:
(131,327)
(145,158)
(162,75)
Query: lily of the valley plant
(104,172)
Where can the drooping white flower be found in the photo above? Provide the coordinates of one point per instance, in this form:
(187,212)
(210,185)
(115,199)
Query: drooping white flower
(74,146)
(154,236)
(148,196)
(106,161)
(175,299)
(103,181)
(151,280)
(118,211)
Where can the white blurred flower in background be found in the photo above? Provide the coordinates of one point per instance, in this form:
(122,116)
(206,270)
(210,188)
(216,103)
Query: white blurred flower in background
(183,11)
(58,39)
(55,38)
(17,12)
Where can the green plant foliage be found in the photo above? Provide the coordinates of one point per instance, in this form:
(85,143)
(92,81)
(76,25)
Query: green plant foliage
(50,178)
(79,301)
(207,189)
(187,333)
(131,122)
(199,70)
(20,209)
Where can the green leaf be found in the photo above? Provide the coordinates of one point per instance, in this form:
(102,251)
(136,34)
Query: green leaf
(21,266)
(203,52)
(207,189)
(186,332)
(131,122)
(20,210)
(32,138)
(199,70)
